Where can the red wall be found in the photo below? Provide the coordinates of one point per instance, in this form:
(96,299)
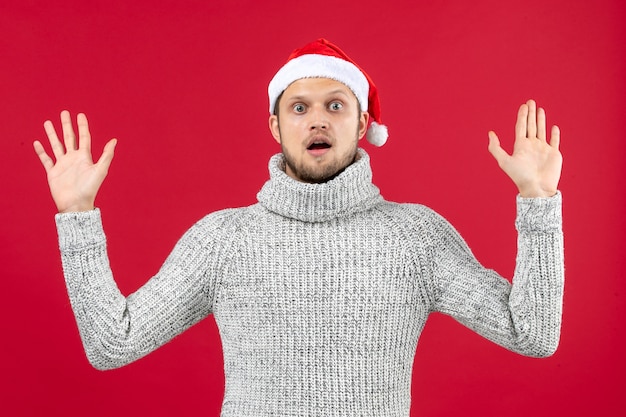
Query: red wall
(182,85)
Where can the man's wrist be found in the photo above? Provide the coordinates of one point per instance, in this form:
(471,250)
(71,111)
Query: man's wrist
(77,208)
(537,193)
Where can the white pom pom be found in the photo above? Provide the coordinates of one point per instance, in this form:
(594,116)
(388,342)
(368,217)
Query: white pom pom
(377,134)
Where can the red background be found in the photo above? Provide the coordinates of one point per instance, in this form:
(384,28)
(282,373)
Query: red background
(182,85)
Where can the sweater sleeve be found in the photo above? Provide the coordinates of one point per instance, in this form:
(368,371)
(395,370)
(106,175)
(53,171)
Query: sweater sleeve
(115,329)
(524,316)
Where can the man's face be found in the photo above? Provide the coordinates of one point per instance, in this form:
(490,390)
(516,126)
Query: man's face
(318,127)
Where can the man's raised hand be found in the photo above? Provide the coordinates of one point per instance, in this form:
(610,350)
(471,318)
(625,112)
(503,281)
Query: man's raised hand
(535,165)
(73,177)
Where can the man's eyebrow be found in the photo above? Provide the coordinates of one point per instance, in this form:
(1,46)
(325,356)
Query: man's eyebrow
(339,91)
(296,98)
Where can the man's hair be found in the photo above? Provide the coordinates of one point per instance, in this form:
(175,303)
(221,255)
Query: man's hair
(277,104)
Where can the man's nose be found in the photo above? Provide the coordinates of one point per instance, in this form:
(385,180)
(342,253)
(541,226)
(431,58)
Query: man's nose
(318,118)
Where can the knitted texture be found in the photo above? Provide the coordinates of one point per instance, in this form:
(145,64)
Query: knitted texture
(320,293)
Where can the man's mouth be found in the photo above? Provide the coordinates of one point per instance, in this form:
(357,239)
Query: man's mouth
(318,145)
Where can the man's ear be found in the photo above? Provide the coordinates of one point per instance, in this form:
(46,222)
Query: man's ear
(273,124)
(363,121)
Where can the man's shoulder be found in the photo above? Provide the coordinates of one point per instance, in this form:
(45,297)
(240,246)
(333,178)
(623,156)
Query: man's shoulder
(221,222)
(415,216)
(413,210)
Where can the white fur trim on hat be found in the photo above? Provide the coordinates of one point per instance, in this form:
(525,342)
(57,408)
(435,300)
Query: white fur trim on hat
(319,66)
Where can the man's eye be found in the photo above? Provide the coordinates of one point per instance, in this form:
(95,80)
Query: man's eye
(335,105)
(299,108)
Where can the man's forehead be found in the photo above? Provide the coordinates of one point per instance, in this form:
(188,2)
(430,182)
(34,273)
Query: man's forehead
(318,85)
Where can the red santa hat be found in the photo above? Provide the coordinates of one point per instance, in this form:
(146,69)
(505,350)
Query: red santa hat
(322,59)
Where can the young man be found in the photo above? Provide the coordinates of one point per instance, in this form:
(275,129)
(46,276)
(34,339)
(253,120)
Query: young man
(322,288)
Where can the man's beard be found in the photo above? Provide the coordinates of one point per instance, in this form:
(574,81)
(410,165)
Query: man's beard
(319,174)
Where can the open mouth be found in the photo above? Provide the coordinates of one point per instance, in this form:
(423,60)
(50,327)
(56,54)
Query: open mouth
(318,145)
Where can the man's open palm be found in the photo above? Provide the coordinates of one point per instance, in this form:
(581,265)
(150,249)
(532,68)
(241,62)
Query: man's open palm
(73,177)
(535,165)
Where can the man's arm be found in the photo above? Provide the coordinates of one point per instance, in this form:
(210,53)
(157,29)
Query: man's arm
(526,316)
(116,329)
(535,165)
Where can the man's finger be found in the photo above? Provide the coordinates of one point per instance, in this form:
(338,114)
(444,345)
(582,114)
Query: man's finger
(107,155)
(532,120)
(84,137)
(555,137)
(46,161)
(521,125)
(541,124)
(57,147)
(69,138)
(495,149)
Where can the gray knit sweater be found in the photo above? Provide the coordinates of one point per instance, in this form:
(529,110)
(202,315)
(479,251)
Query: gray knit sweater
(320,293)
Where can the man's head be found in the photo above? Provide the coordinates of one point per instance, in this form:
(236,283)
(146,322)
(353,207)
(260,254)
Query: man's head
(320,106)
(318,125)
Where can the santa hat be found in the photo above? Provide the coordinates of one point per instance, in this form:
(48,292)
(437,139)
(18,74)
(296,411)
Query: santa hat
(322,59)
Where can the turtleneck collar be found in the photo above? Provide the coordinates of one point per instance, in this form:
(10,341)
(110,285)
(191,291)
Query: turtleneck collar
(350,192)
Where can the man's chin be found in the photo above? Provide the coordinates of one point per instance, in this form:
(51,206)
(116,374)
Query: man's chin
(318,174)
(317,170)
